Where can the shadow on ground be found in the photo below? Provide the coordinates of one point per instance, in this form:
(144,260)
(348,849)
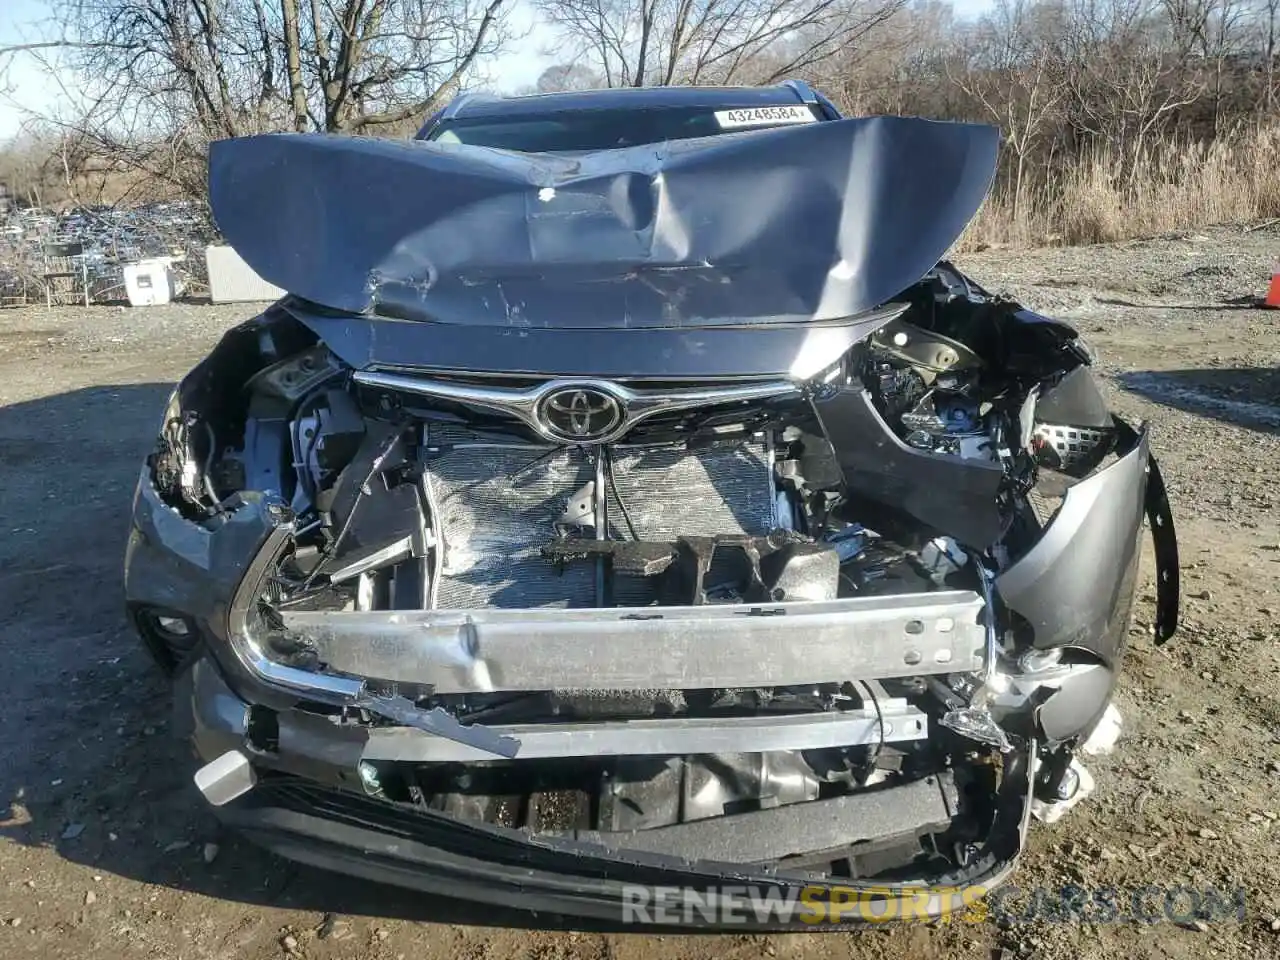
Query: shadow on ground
(1247,397)
(96,773)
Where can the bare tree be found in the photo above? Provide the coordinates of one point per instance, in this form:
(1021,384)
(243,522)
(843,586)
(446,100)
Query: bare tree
(656,42)
(1100,87)
(25,168)
(900,66)
(1123,82)
(348,65)
(1267,26)
(379,62)
(293,64)
(1011,72)
(1188,24)
(159,79)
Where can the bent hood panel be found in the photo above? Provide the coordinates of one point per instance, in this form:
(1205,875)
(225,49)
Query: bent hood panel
(814,222)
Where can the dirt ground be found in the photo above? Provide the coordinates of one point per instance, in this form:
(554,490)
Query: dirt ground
(105,852)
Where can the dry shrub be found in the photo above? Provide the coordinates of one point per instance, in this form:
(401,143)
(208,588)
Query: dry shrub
(1174,185)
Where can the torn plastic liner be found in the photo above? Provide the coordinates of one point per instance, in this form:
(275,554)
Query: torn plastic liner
(813,222)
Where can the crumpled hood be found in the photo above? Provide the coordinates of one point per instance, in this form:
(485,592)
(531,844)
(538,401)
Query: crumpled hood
(805,223)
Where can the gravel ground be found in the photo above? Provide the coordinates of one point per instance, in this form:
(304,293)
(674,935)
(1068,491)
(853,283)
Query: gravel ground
(108,855)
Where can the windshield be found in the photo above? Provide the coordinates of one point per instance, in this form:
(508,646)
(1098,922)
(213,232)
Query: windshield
(582,130)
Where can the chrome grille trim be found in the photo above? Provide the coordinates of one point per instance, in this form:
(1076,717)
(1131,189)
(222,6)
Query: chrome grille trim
(524,404)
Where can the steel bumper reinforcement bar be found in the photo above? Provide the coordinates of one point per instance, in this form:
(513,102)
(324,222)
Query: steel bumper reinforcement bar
(720,645)
(670,737)
(305,743)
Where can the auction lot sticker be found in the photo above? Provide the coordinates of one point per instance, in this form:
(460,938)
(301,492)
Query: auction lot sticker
(763,116)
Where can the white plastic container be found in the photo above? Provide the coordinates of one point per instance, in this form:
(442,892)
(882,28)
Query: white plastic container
(149,283)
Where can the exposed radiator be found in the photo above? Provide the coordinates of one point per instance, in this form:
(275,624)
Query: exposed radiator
(498,504)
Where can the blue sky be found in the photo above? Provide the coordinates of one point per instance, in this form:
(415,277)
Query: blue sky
(25,86)
(20,80)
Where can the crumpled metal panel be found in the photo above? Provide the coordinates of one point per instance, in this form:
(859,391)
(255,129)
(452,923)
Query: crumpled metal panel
(814,222)
(1075,586)
(952,494)
(717,784)
(648,793)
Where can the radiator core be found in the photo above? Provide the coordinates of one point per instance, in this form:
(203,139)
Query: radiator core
(498,504)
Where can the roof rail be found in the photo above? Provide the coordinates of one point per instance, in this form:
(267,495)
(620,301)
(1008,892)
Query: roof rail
(802,90)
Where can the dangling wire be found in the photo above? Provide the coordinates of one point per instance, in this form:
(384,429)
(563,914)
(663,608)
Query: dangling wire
(870,694)
(613,486)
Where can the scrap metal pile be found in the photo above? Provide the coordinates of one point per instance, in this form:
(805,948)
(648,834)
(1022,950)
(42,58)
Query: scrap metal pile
(97,242)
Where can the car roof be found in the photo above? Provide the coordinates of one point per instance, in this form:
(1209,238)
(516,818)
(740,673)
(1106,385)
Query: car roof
(477,105)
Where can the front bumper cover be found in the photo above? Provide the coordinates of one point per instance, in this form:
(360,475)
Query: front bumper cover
(307,807)
(442,856)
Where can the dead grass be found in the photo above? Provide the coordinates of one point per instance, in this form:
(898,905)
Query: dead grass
(1173,186)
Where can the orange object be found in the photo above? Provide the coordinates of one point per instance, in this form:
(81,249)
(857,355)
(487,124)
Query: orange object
(1273,291)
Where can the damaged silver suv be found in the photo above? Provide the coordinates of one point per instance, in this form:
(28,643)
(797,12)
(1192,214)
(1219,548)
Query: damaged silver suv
(626,492)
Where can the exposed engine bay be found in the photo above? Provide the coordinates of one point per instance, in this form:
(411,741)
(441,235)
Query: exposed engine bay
(408,500)
(428,494)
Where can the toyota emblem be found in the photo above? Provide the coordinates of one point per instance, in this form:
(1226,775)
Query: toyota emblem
(580,414)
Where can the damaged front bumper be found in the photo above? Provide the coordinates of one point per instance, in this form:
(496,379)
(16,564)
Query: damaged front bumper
(349,659)
(310,803)
(307,781)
